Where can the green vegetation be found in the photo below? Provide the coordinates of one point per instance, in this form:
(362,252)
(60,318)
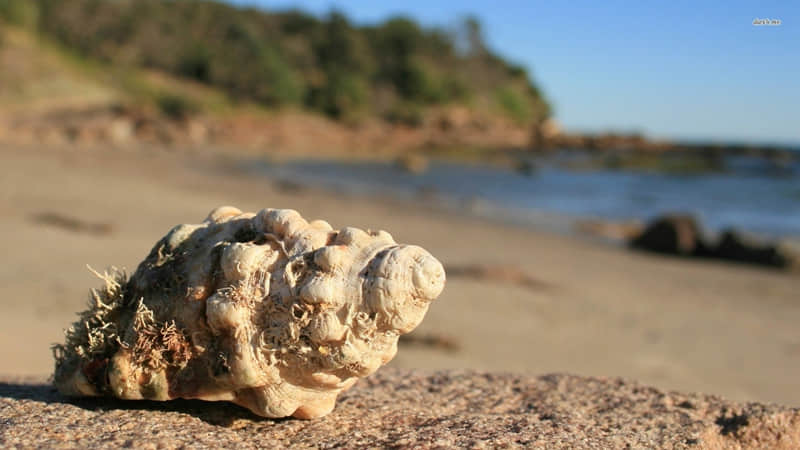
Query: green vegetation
(19,12)
(176,106)
(396,70)
(514,104)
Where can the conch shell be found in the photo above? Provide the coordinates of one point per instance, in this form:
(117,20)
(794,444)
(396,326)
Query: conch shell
(265,310)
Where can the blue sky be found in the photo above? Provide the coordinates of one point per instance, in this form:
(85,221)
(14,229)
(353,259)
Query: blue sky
(679,69)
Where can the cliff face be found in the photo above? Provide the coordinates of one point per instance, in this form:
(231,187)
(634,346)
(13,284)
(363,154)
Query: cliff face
(413,409)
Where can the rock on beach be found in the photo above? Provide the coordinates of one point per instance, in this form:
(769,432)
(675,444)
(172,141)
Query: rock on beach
(411,409)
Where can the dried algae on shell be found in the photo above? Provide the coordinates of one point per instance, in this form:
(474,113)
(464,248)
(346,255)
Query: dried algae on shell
(265,310)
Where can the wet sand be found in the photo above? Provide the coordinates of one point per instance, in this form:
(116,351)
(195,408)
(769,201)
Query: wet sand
(594,309)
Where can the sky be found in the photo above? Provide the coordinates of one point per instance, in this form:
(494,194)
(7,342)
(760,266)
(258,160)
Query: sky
(679,69)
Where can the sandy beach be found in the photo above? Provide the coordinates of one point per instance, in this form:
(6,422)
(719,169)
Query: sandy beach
(595,309)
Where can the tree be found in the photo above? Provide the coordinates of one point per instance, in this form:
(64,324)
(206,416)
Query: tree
(476,47)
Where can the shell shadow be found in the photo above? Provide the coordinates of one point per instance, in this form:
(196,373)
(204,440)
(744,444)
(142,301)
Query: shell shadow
(221,414)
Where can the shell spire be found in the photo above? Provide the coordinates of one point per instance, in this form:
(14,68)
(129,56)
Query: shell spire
(265,310)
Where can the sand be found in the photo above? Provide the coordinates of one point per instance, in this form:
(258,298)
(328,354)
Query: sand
(411,409)
(596,310)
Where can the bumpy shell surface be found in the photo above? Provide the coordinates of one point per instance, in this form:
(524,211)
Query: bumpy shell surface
(265,310)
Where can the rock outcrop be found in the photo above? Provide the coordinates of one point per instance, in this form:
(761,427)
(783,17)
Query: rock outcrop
(676,234)
(681,235)
(411,409)
(736,246)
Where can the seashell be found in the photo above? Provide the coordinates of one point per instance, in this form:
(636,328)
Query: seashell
(265,310)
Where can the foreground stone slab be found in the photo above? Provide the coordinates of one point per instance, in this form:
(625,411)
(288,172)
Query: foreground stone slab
(410,409)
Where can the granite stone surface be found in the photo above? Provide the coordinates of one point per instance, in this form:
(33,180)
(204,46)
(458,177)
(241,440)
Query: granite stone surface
(404,409)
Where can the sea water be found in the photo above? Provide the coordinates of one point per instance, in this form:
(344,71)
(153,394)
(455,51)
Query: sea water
(746,195)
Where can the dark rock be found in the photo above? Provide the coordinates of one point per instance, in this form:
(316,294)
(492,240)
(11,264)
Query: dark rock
(680,234)
(735,246)
(525,167)
(676,234)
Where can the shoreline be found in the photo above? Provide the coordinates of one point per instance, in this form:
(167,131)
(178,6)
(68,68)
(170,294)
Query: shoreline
(290,132)
(619,223)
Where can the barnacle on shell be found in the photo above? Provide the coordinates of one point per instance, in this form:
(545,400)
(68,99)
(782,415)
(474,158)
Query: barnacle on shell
(265,310)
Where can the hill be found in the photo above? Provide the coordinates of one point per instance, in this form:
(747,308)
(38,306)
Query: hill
(395,70)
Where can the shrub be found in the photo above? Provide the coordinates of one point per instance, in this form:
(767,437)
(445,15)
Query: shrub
(343,95)
(176,106)
(329,64)
(19,12)
(406,113)
(196,63)
(514,104)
